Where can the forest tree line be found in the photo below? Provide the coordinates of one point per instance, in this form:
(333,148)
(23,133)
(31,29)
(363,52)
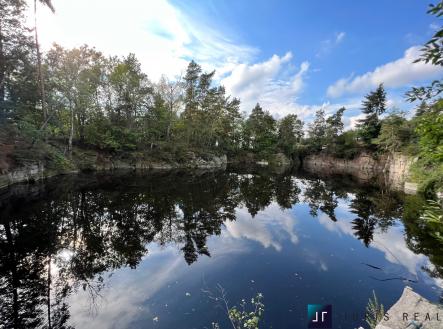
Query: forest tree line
(80,97)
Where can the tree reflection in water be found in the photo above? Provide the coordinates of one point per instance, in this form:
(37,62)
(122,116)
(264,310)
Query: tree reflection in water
(65,235)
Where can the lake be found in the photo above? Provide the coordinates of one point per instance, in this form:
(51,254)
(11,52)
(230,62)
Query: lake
(153,250)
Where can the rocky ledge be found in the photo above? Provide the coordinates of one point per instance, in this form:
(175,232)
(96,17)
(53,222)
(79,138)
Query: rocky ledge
(34,171)
(392,171)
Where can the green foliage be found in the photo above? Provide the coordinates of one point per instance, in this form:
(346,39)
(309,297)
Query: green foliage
(428,170)
(326,135)
(334,126)
(346,145)
(374,104)
(432,219)
(428,175)
(247,316)
(109,104)
(210,118)
(18,88)
(430,132)
(374,312)
(396,133)
(317,131)
(290,133)
(260,132)
(432,52)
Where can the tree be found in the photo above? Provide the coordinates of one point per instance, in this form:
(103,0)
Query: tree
(210,120)
(290,133)
(334,128)
(395,133)
(260,131)
(199,99)
(227,123)
(432,52)
(74,77)
(373,106)
(40,79)
(172,93)
(334,124)
(17,72)
(317,130)
(157,121)
(430,133)
(131,91)
(191,99)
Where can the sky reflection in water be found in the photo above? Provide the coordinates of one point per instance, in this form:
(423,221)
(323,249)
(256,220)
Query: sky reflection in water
(155,245)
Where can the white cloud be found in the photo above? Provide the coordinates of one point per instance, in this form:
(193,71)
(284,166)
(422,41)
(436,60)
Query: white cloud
(163,37)
(251,80)
(339,37)
(399,73)
(121,304)
(328,44)
(352,121)
(274,83)
(264,228)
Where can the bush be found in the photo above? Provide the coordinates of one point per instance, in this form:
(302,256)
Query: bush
(428,175)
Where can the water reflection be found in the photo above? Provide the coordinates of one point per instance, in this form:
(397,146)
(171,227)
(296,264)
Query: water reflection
(69,235)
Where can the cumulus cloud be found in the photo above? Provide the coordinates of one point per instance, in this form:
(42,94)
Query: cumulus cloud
(250,80)
(274,83)
(399,73)
(265,228)
(162,36)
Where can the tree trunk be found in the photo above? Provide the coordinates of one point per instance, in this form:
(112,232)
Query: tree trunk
(168,132)
(41,83)
(2,68)
(71,134)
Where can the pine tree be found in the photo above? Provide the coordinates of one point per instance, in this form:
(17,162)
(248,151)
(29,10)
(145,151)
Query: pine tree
(373,106)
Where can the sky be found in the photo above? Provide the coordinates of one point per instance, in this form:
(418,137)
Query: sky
(291,56)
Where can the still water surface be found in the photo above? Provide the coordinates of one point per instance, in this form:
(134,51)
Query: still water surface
(142,251)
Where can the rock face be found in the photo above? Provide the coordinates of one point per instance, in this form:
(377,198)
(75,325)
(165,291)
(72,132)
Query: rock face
(392,171)
(28,173)
(412,311)
(398,170)
(97,162)
(140,163)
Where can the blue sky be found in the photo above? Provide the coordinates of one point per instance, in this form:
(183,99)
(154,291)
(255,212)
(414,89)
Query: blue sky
(291,56)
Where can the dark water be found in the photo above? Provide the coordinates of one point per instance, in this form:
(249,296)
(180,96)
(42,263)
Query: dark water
(133,251)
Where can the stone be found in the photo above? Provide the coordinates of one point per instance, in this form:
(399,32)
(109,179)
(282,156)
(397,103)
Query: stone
(420,313)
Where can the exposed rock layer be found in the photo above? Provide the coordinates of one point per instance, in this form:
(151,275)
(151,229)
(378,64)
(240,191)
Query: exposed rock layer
(392,171)
(97,162)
